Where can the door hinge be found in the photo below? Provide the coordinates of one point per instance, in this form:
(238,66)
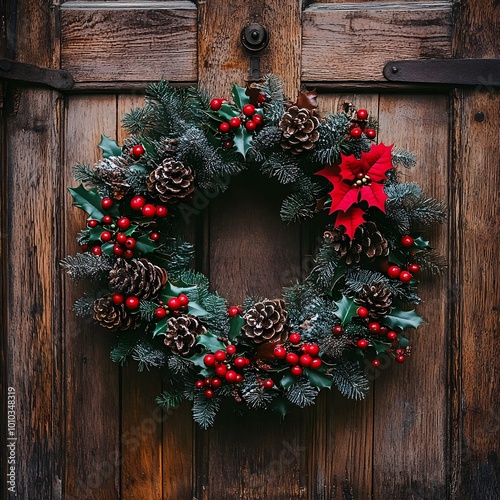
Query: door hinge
(56,78)
(483,73)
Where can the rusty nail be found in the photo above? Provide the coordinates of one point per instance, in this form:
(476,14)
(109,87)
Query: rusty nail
(394,69)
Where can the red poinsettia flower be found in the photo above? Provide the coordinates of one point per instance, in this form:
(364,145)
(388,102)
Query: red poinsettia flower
(358,180)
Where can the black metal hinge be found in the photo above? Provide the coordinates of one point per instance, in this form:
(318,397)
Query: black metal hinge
(483,73)
(55,78)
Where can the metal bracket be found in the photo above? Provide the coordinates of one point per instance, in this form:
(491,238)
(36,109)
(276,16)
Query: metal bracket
(254,38)
(55,78)
(479,72)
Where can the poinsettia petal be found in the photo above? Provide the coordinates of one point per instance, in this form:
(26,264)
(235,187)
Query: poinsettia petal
(332,173)
(351,166)
(351,220)
(374,195)
(379,159)
(343,196)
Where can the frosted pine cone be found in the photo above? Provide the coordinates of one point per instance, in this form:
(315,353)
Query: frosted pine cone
(171,181)
(300,129)
(377,298)
(112,316)
(181,334)
(267,322)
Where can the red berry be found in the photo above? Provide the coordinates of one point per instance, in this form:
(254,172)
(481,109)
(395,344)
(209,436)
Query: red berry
(279,352)
(394,271)
(362,343)
(92,223)
(239,378)
(118,298)
(392,336)
(128,254)
(107,219)
(362,114)
(257,119)
(123,223)
(312,349)
(130,243)
(209,393)
(173,303)
(155,236)
(294,338)
(261,98)
(221,370)
(231,376)
(248,109)
(85,247)
(161,211)
(224,127)
(400,358)
(105,236)
(268,383)
(250,125)
(183,299)
(209,360)
(374,327)
(305,360)
(231,349)
(106,203)
(240,362)
(137,202)
(405,276)
(362,312)
(216,382)
(407,241)
(121,238)
(376,363)
(383,330)
(148,210)
(414,268)
(233,311)
(132,302)
(220,355)
(370,133)
(215,104)
(199,384)
(234,122)
(228,144)
(316,363)
(292,358)
(356,132)
(247,361)
(337,330)
(138,151)
(118,249)
(296,370)
(160,313)
(207,382)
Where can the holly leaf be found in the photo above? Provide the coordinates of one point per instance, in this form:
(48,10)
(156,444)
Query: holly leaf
(281,405)
(403,342)
(308,100)
(197,359)
(235,325)
(421,243)
(350,220)
(109,147)
(346,309)
(403,319)
(172,290)
(145,244)
(242,140)
(318,379)
(379,346)
(240,98)
(210,342)
(161,327)
(89,201)
(288,380)
(226,112)
(107,249)
(196,309)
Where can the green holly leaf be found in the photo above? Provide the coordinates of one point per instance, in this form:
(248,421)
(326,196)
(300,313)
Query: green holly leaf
(240,97)
(397,257)
(107,249)
(420,243)
(95,233)
(197,359)
(139,168)
(403,342)
(242,140)
(89,201)
(346,309)
(109,147)
(281,405)
(288,380)
(226,112)
(379,346)
(235,325)
(318,379)
(145,244)
(161,327)
(196,310)
(210,342)
(403,319)
(172,290)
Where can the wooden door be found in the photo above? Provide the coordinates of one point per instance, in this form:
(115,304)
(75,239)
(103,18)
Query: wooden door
(88,429)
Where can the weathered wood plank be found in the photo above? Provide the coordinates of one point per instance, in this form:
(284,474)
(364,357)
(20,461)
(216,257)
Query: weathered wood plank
(125,42)
(352,42)
(410,401)
(91,379)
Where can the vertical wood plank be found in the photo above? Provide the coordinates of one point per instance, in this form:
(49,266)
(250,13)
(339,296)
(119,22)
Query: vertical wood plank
(410,401)
(91,379)
(475,253)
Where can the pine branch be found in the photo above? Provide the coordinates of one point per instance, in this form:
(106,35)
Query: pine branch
(297,206)
(148,355)
(268,138)
(302,393)
(86,265)
(178,365)
(84,306)
(205,410)
(431,261)
(283,167)
(124,347)
(147,310)
(86,175)
(275,105)
(350,381)
(333,132)
(258,398)
(170,399)
(325,274)
(136,179)
(178,254)
(402,158)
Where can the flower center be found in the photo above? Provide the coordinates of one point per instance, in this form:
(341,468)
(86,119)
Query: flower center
(362,180)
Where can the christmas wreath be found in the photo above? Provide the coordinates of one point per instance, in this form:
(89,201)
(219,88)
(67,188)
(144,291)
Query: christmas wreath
(348,318)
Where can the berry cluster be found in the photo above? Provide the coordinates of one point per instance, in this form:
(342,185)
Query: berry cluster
(299,355)
(404,275)
(175,305)
(131,302)
(359,126)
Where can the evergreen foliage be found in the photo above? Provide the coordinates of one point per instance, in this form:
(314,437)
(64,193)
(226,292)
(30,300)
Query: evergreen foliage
(350,380)
(86,266)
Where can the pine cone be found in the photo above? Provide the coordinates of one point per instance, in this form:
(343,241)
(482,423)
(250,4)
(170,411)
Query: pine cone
(377,298)
(137,277)
(267,322)
(112,172)
(167,148)
(299,127)
(113,316)
(171,181)
(181,334)
(367,241)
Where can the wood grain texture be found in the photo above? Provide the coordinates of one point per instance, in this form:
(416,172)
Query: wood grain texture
(352,42)
(129,43)
(92,447)
(222,60)
(411,412)
(475,369)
